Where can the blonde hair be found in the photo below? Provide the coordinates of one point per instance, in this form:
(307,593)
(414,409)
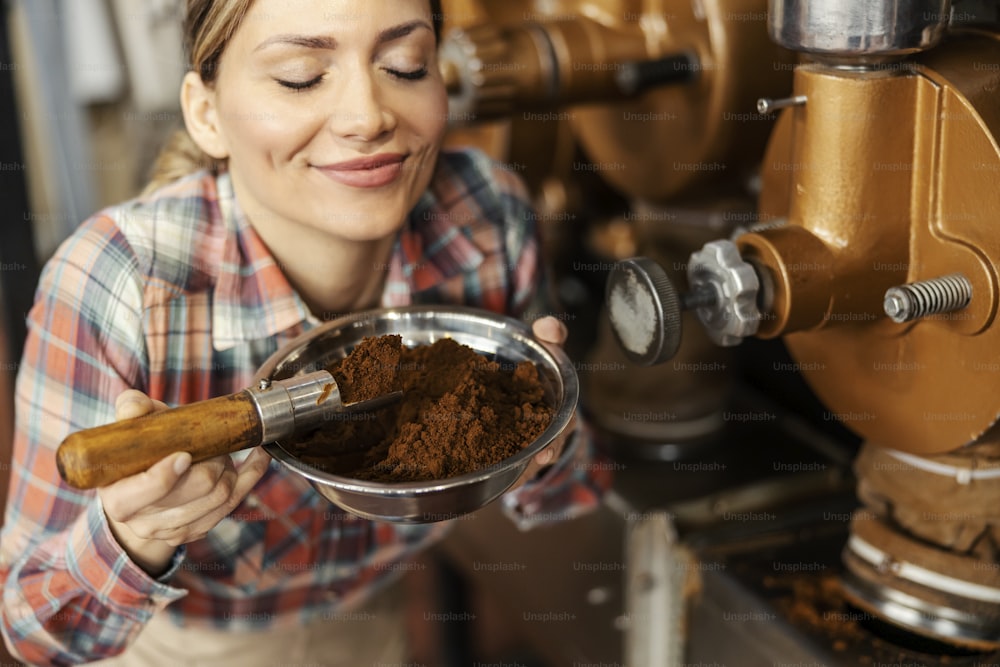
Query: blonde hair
(209,25)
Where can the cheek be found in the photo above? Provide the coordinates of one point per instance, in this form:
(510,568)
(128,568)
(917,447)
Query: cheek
(422,112)
(432,117)
(430,121)
(264,133)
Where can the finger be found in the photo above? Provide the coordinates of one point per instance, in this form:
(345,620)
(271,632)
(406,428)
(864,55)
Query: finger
(257,458)
(199,482)
(530,471)
(221,497)
(249,473)
(132,403)
(555,450)
(129,496)
(196,525)
(545,457)
(182,520)
(549,330)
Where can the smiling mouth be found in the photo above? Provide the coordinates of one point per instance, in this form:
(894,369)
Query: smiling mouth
(368,172)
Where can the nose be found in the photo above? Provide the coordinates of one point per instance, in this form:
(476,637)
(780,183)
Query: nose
(360,112)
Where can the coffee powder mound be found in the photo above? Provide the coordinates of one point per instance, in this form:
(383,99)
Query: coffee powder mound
(370,370)
(460,413)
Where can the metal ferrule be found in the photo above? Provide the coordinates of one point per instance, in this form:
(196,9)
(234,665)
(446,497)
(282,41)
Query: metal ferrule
(295,405)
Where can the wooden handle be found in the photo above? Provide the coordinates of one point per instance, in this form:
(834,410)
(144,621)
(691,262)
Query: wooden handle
(99,456)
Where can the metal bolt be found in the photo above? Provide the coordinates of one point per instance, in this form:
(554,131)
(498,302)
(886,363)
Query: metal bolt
(264,384)
(763,226)
(636,77)
(699,297)
(767,105)
(912,301)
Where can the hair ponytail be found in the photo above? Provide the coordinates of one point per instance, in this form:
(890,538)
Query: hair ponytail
(179,157)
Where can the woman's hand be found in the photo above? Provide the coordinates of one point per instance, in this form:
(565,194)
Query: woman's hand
(174,502)
(548,330)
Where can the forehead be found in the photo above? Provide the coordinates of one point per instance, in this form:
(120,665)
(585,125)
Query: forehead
(336,18)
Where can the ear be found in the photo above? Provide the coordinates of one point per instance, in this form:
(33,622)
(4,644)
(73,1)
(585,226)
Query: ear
(201,116)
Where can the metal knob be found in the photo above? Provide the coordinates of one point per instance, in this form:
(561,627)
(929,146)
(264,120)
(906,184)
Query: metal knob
(734,315)
(645,308)
(645,311)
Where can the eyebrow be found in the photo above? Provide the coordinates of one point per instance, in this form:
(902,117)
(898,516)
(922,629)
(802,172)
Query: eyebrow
(401,30)
(329,43)
(306,41)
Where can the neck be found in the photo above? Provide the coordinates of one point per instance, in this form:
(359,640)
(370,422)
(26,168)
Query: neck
(334,277)
(332,274)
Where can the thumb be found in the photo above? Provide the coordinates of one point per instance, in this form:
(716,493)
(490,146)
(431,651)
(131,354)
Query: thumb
(133,403)
(549,330)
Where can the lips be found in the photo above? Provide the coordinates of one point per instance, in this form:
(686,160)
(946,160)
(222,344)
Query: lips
(374,171)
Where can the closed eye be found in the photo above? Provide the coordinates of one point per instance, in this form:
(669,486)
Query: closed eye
(300,85)
(414,75)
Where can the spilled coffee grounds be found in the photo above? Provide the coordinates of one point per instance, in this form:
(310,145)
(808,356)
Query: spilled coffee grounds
(460,412)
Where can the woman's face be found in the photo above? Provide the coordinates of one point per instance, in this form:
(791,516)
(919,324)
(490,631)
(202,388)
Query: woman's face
(332,113)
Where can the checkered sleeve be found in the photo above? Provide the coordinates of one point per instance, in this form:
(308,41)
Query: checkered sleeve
(70,593)
(511,209)
(574,485)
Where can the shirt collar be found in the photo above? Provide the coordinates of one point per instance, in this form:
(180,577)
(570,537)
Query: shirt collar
(252,298)
(437,242)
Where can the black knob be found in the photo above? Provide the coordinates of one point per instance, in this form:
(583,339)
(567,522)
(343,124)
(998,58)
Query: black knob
(645,311)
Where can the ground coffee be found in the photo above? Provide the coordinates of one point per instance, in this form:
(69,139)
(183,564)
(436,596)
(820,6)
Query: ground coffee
(460,413)
(371,370)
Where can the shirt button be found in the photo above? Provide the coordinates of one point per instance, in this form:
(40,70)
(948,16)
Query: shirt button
(253,502)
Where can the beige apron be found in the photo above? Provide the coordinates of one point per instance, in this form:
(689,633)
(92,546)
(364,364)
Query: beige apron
(373,635)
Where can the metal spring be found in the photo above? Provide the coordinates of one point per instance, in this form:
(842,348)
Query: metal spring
(929,297)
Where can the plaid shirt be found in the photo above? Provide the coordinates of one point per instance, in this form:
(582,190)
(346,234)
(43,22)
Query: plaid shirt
(176,295)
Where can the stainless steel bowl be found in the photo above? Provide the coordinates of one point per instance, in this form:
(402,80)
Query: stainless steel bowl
(504,339)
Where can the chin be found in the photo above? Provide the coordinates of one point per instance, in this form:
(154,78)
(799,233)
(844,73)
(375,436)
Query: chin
(361,224)
(385,210)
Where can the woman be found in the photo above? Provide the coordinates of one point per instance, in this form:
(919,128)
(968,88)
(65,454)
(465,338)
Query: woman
(321,190)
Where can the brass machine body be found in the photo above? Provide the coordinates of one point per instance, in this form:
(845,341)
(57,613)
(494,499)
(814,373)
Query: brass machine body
(879,193)
(883,178)
(884,175)
(659,94)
